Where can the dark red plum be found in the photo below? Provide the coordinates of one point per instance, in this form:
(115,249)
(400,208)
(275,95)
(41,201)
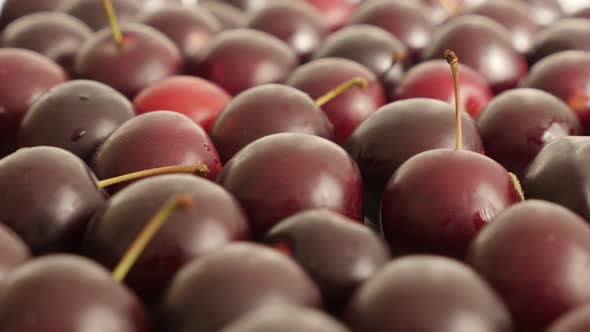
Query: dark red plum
(239,59)
(484,45)
(317,239)
(295,22)
(145,56)
(421,294)
(47,196)
(77,116)
(559,174)
(216,220)
(13,251)
(199,99)
(13,9)
(92,12)
(55,35)
(265,110)
(282,174)
(25,75)
(406,20)
(568,34)
(211,292)
(152,140)
(431,79)
(366,44)
(191,29)
(228,16)
(66,293)
(350,108)
(285,319)
(514,16)
(576,320)
(398,131)
(518,123)
(565,75)
(437,201)
(534,255)
(335,13)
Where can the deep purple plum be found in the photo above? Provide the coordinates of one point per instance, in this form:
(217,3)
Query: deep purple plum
(282,174)
(13,9)
(211,292)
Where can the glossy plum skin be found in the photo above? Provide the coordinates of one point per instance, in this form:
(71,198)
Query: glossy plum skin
(349,109)
(13,251)
(518,123)
(433,79)
(317,239)
(285,319)
(13,9)
(576,320)
(265,110)
(228,16)
(514,16)
(239,59)
(47,196)
(55,35)
(199,99)
(567,34)
(191,30)
(484,45)
(77,116)
(420,294)
(335,13)
(296,23)
(152,140)
(366,44)
(91,12)
(406,20)
(559,174)
(438,201)
(25,76)
(565,75)
(398,131)
(543,277)
(214,221)
(240,278)
(282,174)
(146,56)
(66,293)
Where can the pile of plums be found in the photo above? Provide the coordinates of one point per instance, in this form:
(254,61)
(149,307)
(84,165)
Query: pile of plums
(295,165)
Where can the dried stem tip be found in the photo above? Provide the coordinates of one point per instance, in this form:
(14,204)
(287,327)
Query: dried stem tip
(451,57)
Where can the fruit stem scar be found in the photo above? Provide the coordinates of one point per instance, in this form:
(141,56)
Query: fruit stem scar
(113,22)
(453,61)
(198,169)
(182,201)
(354,82)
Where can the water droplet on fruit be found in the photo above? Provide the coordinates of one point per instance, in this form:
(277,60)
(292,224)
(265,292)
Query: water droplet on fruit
(84,97)
(78,133)
(207,147)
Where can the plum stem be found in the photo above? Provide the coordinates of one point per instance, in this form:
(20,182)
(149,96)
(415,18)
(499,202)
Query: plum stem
(452,7)
(517,186)
(337,91)
(113,22)
(199,169)
(453,61)
(182,201)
